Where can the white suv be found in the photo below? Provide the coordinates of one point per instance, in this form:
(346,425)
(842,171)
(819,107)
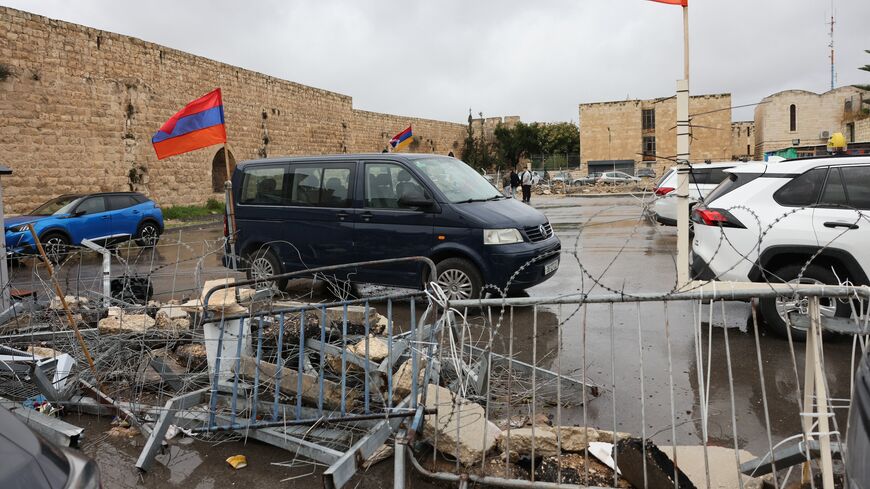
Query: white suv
(800,221)
(703,178)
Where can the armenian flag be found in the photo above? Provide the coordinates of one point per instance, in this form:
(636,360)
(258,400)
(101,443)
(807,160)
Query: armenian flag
(199,124)
(402,139)
(684,3)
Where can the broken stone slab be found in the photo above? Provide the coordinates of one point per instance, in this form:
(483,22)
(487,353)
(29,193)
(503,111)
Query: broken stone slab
(173,312)
(125,323)
(548,439)
(289,382)
(378,350)
(355,314)
(164,321)
(724,471)
(403,378)
(73,301)
(222,301)
(43,352)
(193,356)
(475,435)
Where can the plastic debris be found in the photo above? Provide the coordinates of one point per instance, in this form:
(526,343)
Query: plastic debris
(238,461)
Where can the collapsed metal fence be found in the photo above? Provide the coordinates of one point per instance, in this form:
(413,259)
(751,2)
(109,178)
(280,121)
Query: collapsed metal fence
(625,438)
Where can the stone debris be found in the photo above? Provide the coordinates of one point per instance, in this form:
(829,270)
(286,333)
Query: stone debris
(123,432)
(476,434)
(73,301)
(125,323)
(574,469)
(402,379)
(193,356)
(548,440)
(163,320)
(332,395)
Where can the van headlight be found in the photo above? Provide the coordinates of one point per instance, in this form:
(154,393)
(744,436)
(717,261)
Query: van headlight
(19,229)
(501,236)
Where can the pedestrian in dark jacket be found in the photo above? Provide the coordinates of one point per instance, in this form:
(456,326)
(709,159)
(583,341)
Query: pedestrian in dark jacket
(515,182)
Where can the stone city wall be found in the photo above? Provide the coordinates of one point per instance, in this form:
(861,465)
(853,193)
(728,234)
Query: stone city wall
(80,106)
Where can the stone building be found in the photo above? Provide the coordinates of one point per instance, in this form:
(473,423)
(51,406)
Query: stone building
(632,133)
(742,140)
(802,119)
(78,107)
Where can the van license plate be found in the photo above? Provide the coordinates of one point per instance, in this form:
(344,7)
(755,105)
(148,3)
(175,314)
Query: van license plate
(551,267)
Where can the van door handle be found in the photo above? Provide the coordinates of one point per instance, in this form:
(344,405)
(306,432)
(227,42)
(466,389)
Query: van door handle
(366,216)
(107,217)
(342,215)
(834,224)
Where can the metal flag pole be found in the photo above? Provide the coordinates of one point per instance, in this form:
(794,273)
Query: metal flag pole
(230,208)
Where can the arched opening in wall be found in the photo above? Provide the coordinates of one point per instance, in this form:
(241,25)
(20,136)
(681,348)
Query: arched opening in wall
(792,118)
(219,170)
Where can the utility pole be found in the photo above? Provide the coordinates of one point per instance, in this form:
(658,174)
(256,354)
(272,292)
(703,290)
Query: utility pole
(683,152)
(831,45)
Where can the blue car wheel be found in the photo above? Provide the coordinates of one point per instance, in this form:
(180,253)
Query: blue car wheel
(148,235)
(55,246)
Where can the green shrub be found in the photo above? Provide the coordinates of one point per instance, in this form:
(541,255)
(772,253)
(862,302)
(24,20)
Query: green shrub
(188,212)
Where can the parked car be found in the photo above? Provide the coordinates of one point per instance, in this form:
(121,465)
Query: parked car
(702,180)
(298,213)
(103,217)
(797,221)
(560,177)
(586,180)
(31,461)
(645,173)
(617,177)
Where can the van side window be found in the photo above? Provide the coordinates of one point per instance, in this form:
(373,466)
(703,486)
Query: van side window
(803,190)
(263,186)
(386,183)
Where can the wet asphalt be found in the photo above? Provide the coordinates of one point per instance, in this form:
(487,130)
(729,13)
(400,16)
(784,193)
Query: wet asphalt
(652,368)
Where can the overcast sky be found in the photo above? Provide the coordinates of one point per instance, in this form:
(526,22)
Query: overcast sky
(534,58)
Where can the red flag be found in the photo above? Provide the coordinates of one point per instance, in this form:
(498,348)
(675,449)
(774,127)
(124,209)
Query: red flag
(199,124)
(684,3)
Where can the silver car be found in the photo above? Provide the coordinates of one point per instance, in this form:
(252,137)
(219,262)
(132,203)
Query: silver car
(617,177)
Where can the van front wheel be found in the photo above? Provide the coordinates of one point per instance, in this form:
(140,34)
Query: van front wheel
(458,278)
(263,264)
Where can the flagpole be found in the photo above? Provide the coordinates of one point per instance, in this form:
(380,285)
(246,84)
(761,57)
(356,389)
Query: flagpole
(686,41)
(230,208)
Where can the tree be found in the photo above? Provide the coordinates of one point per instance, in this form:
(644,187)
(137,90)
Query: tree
(559,137)
(515,141)
(470,152)
(864,68)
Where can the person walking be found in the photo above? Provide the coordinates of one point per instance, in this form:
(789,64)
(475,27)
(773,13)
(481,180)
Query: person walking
(526,180)
(515,182)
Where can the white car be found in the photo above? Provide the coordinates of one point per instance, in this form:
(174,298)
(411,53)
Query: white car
(617,177)
(798,221)
(702,180)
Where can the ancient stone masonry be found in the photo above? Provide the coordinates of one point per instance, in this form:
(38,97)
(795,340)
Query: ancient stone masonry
(615,131)
(79,107)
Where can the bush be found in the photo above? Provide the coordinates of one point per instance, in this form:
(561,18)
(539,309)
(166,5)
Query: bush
(188,212)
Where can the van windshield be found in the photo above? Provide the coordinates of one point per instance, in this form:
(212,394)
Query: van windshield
(457,181)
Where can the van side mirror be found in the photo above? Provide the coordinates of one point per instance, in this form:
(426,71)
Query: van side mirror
(416,199)
(79,213)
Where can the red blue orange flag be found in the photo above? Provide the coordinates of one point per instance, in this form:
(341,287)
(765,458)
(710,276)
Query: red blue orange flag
(684,3)
(199,124)
(402,139)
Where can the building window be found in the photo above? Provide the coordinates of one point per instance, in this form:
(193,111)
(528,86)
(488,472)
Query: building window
(848,107)
(738,131)
(748,150)
(792,118)
(648,119)
(850,132)
(649,148)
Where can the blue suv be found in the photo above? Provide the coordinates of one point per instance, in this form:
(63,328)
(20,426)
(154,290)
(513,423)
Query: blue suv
(67,220)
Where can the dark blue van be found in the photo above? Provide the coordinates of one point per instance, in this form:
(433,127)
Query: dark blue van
(300,213)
